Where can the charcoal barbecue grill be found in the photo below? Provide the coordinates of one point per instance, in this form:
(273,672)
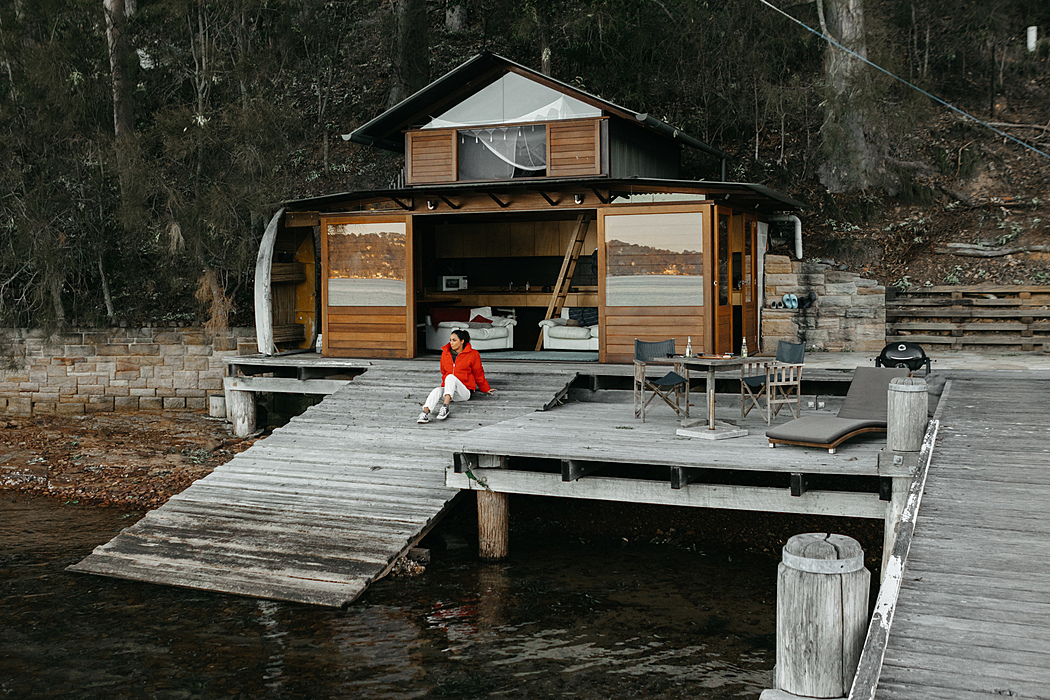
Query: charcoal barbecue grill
(904,354)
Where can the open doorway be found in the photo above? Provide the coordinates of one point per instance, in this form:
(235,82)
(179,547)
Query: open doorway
(475,268)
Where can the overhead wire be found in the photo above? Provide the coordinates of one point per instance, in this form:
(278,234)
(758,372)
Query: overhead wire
(933,97)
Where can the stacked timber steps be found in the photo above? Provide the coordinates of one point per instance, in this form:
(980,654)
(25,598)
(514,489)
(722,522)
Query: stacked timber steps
(962,317)
(325,505)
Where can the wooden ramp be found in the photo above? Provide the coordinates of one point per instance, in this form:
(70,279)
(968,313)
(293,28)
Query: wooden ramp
(973,615)
(323,507)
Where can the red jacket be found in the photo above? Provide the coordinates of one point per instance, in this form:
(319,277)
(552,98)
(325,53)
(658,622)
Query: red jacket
(467,367)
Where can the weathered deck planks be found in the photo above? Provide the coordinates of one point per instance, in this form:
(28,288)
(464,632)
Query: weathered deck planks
(321,508)
(973,615)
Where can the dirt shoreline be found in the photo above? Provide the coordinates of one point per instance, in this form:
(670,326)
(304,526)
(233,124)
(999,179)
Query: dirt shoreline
(133,461)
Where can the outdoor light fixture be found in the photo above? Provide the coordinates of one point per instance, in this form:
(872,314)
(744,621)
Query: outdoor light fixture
(431,204)
(578,198)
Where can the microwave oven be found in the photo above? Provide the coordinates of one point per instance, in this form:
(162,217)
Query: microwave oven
(453,284)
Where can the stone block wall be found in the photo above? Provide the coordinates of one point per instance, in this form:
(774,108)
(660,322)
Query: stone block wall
(849,313)
(116,369)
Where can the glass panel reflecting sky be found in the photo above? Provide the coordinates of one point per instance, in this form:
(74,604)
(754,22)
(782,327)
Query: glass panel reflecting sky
(366,264)
(654,259)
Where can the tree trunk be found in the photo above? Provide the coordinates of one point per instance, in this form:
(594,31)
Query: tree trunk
(105,291)
(56,299)
(851,135)
(411,67)
(455,15)
(123,123)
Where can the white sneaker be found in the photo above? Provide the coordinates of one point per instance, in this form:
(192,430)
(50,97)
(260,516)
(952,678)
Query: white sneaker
(424,417)
(443,412)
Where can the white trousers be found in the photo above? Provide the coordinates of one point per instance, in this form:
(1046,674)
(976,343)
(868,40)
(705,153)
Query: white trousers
(453,387)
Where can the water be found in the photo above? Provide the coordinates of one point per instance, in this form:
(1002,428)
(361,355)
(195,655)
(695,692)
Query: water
(558,619)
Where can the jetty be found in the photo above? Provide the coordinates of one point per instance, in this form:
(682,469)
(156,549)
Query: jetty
(326,504)
(967,611)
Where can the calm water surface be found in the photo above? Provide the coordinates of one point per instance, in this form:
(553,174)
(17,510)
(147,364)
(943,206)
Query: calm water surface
(558,619)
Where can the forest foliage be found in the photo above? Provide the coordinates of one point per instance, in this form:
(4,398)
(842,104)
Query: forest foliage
(237,105)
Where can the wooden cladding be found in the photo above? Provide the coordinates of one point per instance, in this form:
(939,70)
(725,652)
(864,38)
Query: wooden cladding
(366,331)
(430,156)
(574,148)
(625,323)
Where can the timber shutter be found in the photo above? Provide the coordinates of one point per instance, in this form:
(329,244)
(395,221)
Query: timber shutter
(430,156)
(574,148)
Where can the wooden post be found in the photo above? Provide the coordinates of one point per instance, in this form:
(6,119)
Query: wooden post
(822,616)
(906,418)
(240,410)
(493,525)
(906,414)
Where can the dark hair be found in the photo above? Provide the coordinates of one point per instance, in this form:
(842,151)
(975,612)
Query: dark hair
(462,334)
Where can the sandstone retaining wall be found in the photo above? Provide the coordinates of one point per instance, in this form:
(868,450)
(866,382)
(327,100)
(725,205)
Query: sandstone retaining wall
(118,369)
(849,313)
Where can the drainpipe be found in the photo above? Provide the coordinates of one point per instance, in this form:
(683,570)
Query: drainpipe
(798,230)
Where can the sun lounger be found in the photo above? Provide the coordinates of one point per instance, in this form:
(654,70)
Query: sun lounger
(863,411)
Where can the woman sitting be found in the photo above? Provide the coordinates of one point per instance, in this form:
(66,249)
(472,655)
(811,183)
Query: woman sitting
(461,375)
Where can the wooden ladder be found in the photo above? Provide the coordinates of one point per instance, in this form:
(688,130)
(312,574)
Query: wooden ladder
(568,267)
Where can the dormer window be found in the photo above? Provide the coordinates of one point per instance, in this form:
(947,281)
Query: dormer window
(502,152)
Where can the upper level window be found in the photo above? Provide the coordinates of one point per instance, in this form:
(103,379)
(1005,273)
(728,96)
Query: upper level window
(503,152)
(513,99)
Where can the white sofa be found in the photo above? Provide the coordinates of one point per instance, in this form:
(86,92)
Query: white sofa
(559,335)
(497,335)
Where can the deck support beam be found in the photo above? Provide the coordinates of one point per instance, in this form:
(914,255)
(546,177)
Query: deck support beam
(732,497)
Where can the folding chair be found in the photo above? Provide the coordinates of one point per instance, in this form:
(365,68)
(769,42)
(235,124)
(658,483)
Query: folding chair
(778,382)
(671,384)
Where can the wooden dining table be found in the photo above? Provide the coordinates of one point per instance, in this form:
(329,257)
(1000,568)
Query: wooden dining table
(710,364)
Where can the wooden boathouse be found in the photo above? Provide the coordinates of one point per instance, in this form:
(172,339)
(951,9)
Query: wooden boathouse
(524,196)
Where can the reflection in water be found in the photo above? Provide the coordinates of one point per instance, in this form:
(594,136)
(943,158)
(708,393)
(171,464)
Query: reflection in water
(554,620)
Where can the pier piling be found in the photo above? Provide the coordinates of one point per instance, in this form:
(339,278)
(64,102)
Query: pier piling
(822,616)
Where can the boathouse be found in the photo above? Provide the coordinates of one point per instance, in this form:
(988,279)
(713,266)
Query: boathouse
(528,198)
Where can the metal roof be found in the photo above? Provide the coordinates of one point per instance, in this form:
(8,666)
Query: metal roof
(739,194)
(385,131)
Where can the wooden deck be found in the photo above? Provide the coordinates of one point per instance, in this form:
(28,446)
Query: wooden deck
(322,507)
(973,615)
(600,451)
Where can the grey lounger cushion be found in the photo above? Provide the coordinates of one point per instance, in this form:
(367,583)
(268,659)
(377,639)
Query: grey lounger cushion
(820,430)
(863,410)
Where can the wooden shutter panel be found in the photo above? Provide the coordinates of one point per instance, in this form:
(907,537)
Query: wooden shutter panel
(574,148)
(430,156)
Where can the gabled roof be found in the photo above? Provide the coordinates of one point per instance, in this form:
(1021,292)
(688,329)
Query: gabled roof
(385,131)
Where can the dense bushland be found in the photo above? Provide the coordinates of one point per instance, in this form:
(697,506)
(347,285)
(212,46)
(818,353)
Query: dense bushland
(146,143)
